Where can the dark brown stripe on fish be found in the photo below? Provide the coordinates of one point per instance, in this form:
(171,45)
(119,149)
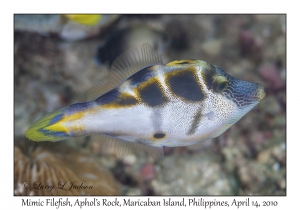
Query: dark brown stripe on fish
(115,99)
(152,93)
(208,74)
(126,100)
(195,123)
(184,83)
(108,97)
(141,76)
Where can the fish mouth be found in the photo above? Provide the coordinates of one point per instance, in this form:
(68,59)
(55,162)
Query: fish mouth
(260,93)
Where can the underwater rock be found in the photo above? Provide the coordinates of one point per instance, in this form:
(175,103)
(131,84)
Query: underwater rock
(123,39)
(148,172)
(279,153)
(130,159)
(212,47)
(60,170)
(271,105)
(251,172)
(251,45)
(198,174)
(264,157)
(42,24)
(280,44)
(272,75)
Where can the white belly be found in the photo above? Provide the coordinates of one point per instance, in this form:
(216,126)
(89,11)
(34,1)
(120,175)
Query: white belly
(139,123)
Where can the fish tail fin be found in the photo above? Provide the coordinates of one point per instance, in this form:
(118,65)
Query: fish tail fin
(49,128)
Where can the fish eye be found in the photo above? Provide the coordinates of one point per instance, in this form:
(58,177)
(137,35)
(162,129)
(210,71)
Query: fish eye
(220,83)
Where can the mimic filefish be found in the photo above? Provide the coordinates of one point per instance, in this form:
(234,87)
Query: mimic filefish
(147,104)
(86,19)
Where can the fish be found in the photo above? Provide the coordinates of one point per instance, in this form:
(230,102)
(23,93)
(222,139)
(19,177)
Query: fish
(85,19)
(147,105)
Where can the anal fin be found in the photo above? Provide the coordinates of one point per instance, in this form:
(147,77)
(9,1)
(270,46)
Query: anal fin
(110,145)
(157,153)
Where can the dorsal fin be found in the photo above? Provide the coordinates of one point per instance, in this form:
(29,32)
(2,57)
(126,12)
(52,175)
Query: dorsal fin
(126,65)
(121,148)
(99,90)
(134,60)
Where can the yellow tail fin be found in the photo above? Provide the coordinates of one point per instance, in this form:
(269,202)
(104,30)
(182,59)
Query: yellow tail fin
(48,128)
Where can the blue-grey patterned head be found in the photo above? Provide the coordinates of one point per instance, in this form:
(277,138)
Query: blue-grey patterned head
(231,97)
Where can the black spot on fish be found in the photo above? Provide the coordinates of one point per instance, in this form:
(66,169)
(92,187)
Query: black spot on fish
(184,62)
(184,84)
(108,97)
(152,94)
(159,135)
(141,76)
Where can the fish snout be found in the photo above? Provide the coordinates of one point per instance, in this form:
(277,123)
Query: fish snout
(260,92)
